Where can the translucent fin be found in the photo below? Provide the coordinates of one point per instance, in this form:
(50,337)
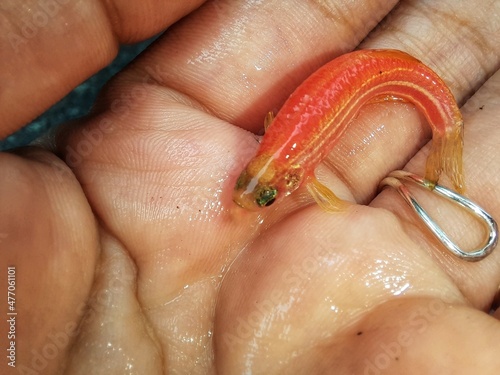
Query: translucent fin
(268,120)
(446,156)
(326,199)
(446,152)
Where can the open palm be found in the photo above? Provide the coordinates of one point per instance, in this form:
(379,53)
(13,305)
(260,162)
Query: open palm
(131,257)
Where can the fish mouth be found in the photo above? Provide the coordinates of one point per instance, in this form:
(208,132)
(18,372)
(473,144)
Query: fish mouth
(245,200)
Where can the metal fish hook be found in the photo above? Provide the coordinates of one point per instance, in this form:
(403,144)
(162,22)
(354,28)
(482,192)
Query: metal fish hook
(395,180)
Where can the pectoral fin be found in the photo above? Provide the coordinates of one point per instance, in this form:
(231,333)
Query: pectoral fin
(326,199)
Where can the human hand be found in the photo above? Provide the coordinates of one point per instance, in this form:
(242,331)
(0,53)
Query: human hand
(131,257)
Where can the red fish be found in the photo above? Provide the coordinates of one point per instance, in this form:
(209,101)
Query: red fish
(318,112)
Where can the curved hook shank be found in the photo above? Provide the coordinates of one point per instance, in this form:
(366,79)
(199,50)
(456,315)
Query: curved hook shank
(395,180)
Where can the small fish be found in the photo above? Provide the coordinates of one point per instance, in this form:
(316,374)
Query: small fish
(316,115)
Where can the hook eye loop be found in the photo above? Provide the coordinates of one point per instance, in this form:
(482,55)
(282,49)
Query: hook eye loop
(396,180)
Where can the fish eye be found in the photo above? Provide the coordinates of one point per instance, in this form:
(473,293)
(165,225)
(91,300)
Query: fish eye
(270,202)
(266,197)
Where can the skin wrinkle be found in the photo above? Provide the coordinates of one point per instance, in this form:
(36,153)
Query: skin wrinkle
(334,12)
(121,16)
(113,16)
(342,14)
(408,13)
(218,49)
(475,42)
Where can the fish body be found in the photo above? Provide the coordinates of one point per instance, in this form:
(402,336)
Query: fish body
(319,111)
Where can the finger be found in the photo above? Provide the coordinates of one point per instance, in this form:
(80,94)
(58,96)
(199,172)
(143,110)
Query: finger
(113,322)
(49,242)
(478,281)
(48,47)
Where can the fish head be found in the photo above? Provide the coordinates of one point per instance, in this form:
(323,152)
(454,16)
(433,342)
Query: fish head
(264,180)
(255,187)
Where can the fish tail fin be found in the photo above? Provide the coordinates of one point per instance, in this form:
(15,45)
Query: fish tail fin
(446,157)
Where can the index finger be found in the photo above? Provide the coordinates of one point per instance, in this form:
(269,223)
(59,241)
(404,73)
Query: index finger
(50,46)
